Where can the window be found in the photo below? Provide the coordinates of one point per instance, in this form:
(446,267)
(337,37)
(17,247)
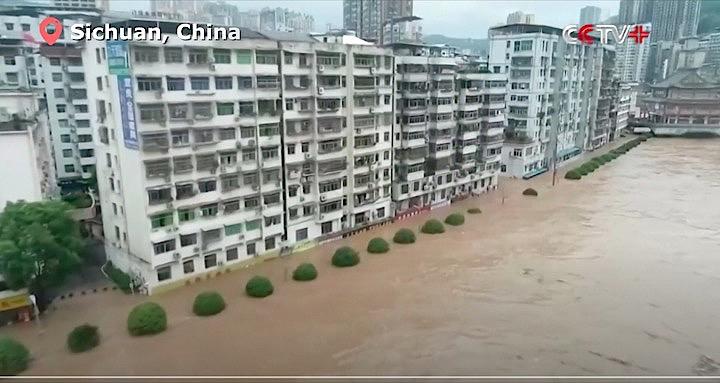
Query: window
(223,82)
(202,110)
(301,234)
(189,266)
(149,55)
(152,112)
(245,82)
(173,55)
(227,133)
(210,261)
(231,206)
(288,57)
(64,138)
(9,26)
(222,56)
(291,149)
(250,249)
(60,108)
(67,153)
(198,56)
(269,243)
(54,61)
(326,227)
(161,220)
(69,168)
(225,108)
(244,57)
(178,111)
(186,215)
(164,273)
(25,27)
(164,247)
(207,186)
(188,240)
(252,225)
(175,83)
(149,83)
(199,83)
(57,77)
(233,229)
(231,254)
(180,137)
(268,58)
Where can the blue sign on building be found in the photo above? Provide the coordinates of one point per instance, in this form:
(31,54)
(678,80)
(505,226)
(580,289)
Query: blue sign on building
(127,111)
(118,57)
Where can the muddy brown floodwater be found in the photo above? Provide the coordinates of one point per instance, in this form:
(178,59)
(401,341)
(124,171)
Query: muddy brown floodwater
(616,274)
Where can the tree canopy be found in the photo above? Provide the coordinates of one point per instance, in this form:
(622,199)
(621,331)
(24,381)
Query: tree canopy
(39,244)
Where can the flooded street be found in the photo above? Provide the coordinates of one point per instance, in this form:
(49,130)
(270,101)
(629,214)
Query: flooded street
(616,274)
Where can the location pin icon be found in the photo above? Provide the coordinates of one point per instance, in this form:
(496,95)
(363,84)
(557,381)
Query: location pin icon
(51,38)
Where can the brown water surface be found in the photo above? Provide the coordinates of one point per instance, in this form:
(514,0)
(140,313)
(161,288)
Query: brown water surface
(616,274)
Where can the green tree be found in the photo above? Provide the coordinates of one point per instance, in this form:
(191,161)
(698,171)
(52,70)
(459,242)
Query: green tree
(39,246)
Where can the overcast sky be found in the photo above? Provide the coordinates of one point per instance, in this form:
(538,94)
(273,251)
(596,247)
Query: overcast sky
(453,18)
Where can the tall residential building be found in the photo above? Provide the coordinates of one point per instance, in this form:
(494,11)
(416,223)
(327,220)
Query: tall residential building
(285,20)
(666,57)
(27,165)
(248,19)
(711,43)
(635,11)
(551,89)
(622,104)
(449,123)
(215,152)
(403,30)
(674,19)
(518,17)
(632,60)
(58,73)
(368,17)
(187,8)
(590,15)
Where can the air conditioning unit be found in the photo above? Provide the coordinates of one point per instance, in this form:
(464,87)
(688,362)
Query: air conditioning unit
(322,197)
(321,90)
(321,68)
(308,156)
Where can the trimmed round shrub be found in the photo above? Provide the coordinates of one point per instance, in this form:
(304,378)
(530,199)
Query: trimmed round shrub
(378,246)
(305,272)
(208,303)
(345,257)
(433,226)
(14,357)
(146,319)
(259,287)
(404,236)
(82,338)
(582,171)
(573,175)
(474,210)
(455,219)
(598,161)
(530,192)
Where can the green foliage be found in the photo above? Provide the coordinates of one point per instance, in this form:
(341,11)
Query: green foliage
(582,170)
(208,303)
(530,192)
(38,233)
(305,272)
(474,210)
(14,357)
(146,319)
(573,175)
(404,236)
(455,219)
(83,338)
(378,245)
(432,226)
(345,257)
(78,200)
(259,287)
(121,279)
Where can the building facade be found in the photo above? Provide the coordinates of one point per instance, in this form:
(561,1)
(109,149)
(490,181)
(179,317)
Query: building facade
(632,60)
(285,20)
(674,19)
(449,121)
(241,149)
(635,11)
(519,17)
(590,15)
(368,17)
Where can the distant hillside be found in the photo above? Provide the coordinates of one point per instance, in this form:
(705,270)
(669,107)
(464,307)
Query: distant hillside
(478,46)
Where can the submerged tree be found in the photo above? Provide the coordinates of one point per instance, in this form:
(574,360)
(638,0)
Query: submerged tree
(39,246)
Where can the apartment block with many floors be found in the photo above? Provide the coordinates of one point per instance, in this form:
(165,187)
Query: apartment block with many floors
(441,113)
(553,89)
(215,152)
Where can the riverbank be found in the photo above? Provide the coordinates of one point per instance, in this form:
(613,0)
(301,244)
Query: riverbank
(563,283)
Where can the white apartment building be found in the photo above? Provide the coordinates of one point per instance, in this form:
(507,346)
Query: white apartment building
(448,128)
(632,60)
(551,86)
(235,149)
(58,73)
(24,148)
(622,108)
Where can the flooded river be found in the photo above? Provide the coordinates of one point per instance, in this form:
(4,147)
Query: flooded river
(616,274)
